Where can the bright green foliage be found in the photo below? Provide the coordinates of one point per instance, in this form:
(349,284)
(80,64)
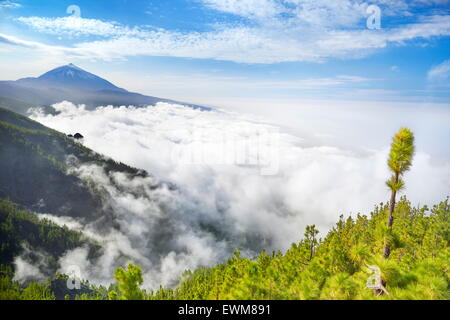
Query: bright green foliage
(9,289)
(19,228)
(129,282)
(12,290)
(395,185)
(337,266)
(402,151)
(400,158)
(37,291)
(86,296)
(113,295)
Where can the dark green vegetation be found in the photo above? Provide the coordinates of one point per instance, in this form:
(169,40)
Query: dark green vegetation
(43,242)
(21,229)
(34,172)
(335,267)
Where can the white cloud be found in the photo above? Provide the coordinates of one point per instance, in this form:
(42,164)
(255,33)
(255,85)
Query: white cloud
(43,48)
(440,73)
(246,8)
(69,222)
(30,265)
(219,206)
(25,271)
(253,45)
(159,230)
(8,4)
(77,26)
(292,31)
(236,83)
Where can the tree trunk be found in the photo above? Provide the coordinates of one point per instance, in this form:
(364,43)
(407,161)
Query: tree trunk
(387,248)
(382,290)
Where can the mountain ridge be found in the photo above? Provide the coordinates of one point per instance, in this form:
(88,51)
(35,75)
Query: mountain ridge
(71,75)
(74,84)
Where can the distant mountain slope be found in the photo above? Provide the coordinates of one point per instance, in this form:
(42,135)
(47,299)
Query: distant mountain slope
(76,85)
(33,171)
(72,77)
(21,107)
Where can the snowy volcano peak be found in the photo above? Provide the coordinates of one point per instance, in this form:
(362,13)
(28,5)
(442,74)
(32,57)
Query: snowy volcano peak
(71,76)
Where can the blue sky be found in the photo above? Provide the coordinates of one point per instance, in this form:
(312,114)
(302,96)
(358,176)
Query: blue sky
(198,50)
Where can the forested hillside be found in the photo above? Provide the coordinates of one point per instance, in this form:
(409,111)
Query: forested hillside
(21,229)
(34,170)
(335,267)
(23,233)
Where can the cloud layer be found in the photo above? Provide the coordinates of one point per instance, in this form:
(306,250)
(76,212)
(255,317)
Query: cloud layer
(273,31)
(440,73)
(7,4)
(222,201)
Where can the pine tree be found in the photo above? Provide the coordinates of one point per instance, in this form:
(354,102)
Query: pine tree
(129,282)
(400,160)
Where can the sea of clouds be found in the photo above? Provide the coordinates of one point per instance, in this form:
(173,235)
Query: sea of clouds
(240,183)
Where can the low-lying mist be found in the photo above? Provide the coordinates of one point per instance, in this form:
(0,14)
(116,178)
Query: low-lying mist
(239,183)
